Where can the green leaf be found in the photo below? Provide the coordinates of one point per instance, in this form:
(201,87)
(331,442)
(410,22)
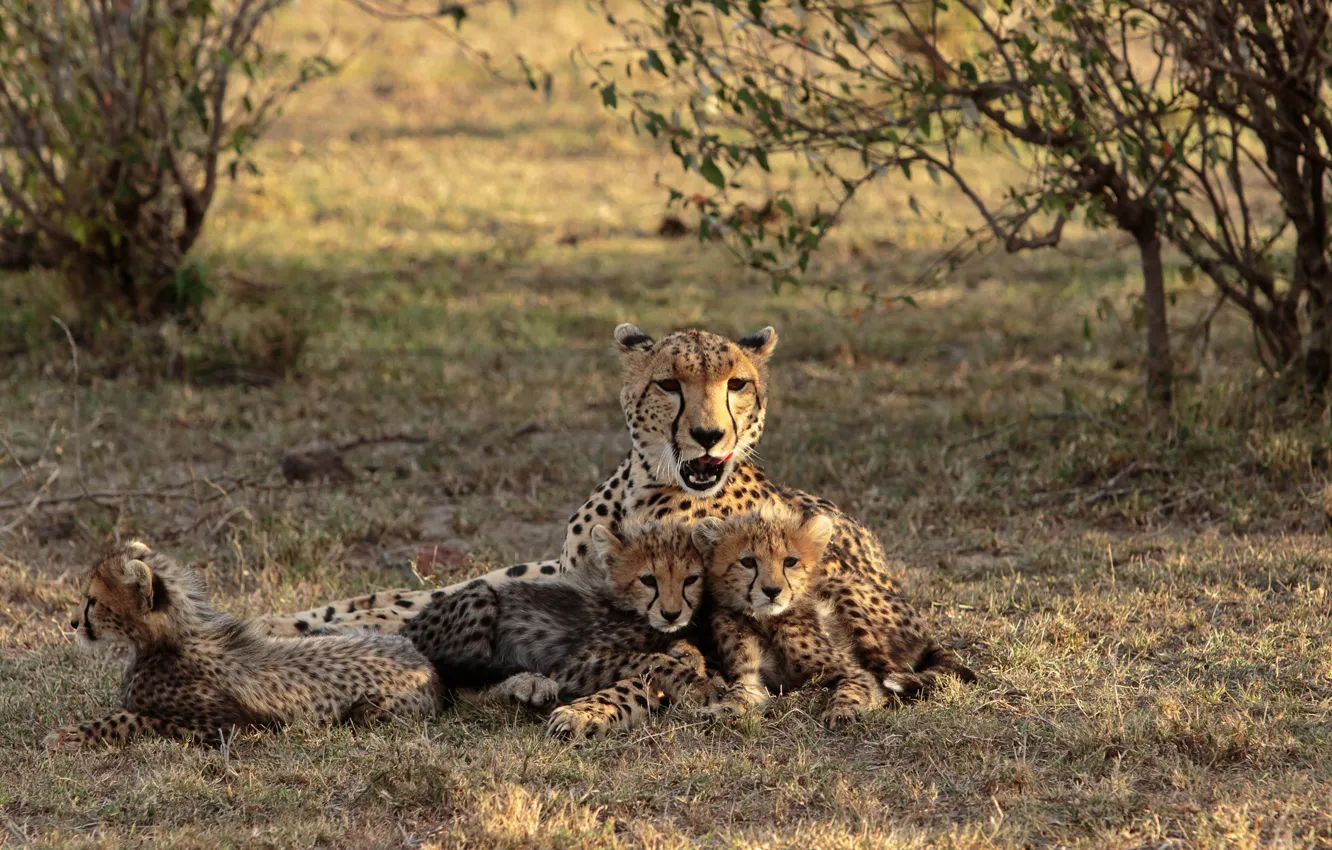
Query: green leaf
(608,97)
(711,173)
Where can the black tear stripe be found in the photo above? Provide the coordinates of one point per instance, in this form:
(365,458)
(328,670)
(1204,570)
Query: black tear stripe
(675,426)
(735,430)
(87,621)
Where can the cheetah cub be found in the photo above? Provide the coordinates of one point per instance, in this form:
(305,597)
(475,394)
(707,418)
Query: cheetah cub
(195,671)
(769,630)
(610,641)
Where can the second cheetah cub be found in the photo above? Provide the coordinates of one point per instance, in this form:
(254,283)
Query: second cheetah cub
(769,630)
(196,672)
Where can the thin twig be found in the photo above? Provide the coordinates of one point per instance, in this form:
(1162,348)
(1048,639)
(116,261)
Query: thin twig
(74,398)
(32,505)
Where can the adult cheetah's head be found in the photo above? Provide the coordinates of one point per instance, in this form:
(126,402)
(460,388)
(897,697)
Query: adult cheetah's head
(763,562)
(654,570)
(138,597)
(694,402)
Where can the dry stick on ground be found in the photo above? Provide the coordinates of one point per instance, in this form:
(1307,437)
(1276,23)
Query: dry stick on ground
(32,505)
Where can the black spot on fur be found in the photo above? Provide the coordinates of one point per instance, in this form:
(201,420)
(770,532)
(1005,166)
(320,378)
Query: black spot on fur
(328,614)
(516,570)
(301,626)
(404,603)
(548,570)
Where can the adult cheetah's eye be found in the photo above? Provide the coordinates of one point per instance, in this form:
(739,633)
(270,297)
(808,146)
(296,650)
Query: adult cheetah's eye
(735,385)
(690,580)
(749,563)
(648,580)
(791,562)
(670,385)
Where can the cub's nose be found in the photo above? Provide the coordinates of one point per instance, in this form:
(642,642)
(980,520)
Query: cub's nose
(772,592)
(73,624)
(670,616)
(706,437)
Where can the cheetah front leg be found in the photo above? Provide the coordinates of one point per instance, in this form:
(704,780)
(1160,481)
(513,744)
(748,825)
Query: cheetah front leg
(809,650)
(116,729)
(740,648)
(646,680)
(627,703)
(888,639)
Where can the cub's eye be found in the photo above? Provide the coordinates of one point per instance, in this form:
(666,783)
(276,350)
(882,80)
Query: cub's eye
(670,385)
(735,385)
(791,562)
(690,580)
(648,580)
(749,563)
(91,602)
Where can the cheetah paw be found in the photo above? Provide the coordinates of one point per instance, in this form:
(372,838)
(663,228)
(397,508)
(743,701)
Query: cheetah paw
(531,689)
(685,651)
(837,717)
(65,738)
(735,701)
(588,720)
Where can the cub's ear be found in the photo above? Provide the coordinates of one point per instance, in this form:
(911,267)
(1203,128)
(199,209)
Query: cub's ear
(629,339)
(707,534)
(606,543)
(140,579)
(760,344)
(816,531)
(138,547)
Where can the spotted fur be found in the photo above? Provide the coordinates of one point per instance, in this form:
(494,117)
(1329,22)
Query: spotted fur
(196,672)
(770,631)
(610,637)
(687,381)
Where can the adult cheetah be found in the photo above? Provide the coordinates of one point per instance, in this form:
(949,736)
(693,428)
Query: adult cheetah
(695,404)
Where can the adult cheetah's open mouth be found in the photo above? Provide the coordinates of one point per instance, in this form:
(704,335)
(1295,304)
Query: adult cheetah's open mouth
(703,473)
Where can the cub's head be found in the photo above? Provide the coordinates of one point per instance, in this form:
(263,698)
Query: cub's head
(654,570)
(694,402)
(761,563)
(137,597)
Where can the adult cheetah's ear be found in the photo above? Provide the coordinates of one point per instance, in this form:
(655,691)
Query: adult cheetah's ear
(816,531)
(141,582)
(138,546)
(630,339)
(707,534)
(759,345)
(605,542)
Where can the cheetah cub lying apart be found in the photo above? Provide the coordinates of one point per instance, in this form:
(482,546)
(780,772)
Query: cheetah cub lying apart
(608,641)
(772,630)
(196,672)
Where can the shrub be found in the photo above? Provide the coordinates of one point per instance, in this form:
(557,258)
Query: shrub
(117,120)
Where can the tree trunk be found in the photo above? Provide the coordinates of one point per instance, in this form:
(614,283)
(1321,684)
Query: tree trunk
(1159,369)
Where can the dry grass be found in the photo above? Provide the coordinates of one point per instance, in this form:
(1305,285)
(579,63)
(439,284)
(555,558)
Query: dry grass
(1150,609)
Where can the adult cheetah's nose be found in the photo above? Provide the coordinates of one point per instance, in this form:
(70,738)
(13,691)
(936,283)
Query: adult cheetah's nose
(670,616)
(706,437)
(772,592)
